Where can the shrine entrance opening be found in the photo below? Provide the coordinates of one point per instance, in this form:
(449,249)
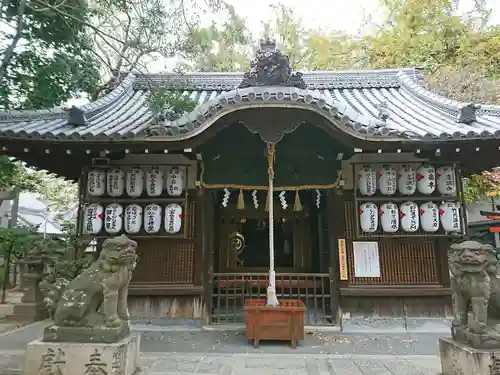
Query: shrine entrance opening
(235,168)
(255,253)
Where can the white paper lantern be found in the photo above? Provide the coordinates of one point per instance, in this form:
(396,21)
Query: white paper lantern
(93,219)
(154,182)
(410,217)
(387,180)
(173,218)
(426,179)
(113,218)
(429,217)
(368,217)
(175,181)
(116,182)
(135,182)
(389,217)
(367,181)
(446,181)
(407,180)
(152,218)
(96,183)
(450,216)
(133,218)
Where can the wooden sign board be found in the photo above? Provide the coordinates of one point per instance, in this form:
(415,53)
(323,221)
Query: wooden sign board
(342,259)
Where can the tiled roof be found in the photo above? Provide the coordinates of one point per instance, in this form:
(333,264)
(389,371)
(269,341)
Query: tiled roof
(386,104)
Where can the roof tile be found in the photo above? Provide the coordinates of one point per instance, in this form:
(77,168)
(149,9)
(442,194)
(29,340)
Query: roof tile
(351,99)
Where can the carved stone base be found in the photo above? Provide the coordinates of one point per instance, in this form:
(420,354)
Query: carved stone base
(487,340)
(84,358)
(461,359)
(104,335)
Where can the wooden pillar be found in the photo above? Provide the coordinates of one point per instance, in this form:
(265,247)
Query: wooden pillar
(208,225)
(441,250)
(198,277)
(336,229)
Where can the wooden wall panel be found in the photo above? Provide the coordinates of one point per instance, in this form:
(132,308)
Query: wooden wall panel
(165,261)
(168,260)
(403,261)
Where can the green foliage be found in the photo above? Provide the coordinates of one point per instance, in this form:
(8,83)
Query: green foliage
(46,57)
(38,79)
(481,234)
(474,188)
(479,185)
(61,193)
(218,48)
(69,269)
(18,241)
(75,260)
(65,254)
(170,104)
(15,176)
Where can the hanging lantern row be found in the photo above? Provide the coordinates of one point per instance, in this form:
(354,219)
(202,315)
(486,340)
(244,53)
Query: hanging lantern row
(255,200)
(115,182)
(410,217)
(115,219)
(407,180)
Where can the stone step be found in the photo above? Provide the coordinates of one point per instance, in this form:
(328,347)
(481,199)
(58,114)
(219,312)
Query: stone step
(6,309)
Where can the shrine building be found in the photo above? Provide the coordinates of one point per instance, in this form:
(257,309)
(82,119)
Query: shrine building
(367,195)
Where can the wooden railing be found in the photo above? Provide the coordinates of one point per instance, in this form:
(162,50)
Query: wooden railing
(230,290)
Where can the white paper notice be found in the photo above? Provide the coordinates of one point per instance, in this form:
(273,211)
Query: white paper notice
(366,259)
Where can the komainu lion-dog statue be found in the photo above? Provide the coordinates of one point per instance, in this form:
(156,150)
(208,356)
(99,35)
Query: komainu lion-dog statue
(98,296)
(475,287)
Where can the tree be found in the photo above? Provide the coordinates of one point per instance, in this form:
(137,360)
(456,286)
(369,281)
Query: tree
(15,176)
(45,53)
(45,61)
(53,51)
(218,48)
(460,55)
(59,193)
(228,47)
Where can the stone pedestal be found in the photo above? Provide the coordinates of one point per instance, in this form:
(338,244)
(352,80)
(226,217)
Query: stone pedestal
(120,358)
(461,359)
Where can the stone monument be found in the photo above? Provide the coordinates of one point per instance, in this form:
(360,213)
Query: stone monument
(91,331)
(31,306)
(475,284)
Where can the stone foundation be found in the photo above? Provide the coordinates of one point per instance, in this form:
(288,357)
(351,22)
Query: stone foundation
(460,359)
(120,358)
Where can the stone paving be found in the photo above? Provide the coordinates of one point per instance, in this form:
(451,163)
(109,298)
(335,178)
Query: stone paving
(264,364)
(298,364)
(177,352)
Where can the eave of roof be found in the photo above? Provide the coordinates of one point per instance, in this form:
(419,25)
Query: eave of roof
(350,100)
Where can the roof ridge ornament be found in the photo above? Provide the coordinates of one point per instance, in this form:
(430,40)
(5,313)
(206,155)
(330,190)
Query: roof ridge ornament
(76,116)
(383,111)
(271,68)
(467,113)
